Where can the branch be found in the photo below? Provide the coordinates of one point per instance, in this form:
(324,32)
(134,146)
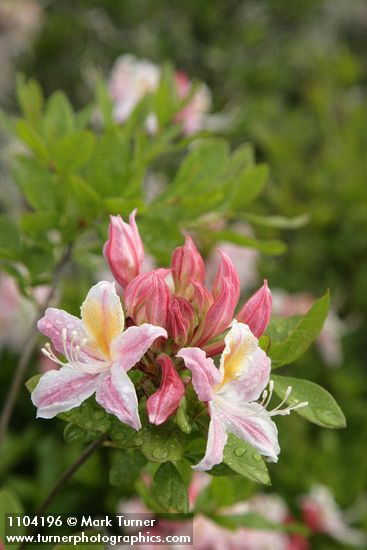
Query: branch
(68,474)
(28,348)
(62,481)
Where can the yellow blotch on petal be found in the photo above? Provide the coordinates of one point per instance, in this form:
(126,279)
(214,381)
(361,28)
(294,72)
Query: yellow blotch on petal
(102,316)
(239,345)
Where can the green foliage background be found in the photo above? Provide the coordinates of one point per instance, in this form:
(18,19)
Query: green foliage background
(294,76)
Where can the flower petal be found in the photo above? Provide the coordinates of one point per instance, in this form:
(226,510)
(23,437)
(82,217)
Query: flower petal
(124,250)
(257,310)
(205,375)
(55,321)
(167,398)
(217,439)
(116,394)
(244,365)
(61,390)
(129,347)
(251,423)
(219,315)
(102,315)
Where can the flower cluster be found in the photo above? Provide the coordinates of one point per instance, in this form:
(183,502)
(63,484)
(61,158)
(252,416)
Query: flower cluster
(175,324)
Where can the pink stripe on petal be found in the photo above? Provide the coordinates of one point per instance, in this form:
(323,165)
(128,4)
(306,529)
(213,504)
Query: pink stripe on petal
(205,374)
(61,390)
(116,394)
(217,439)
(130,346)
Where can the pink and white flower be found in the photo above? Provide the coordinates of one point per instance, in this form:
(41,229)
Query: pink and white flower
(232,394)
(194,115)
(98,352)
(131,80)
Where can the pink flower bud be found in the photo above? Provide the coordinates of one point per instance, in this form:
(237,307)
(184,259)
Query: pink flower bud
(181,320)
(167,398)
(201,299)
(220,314)
(256,311)
(226,270)
(124,249)
(187,264)
(147,299)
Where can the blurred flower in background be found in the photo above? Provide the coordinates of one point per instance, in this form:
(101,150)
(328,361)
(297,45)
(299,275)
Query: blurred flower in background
(322,514)
(17,313)
(132,79)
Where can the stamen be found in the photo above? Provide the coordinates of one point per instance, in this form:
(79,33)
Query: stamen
(290,408)
(270,395)
(287,394)
(47,351)
(264,396)
(72,350)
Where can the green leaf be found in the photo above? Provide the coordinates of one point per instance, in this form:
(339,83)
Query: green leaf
(104,101)
(26,133)
(30,99)
(122,435)
(161,443)
(32,382)
(36,223)
(82,117)
(73,151)
(245,460)
(182,418)
(278,222)
(302,335)
(199,168)
(169,489)
(59,117)
(126,468)
(280,328)
(243,158)
(73,434)
(322,408)
(89,416)
(38,260)
(37,183)
(118,205)
(252,520)
(166,100)
(108,170)
(9,504)
(249,186)
(272,247)
(9,238)
(83,201)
